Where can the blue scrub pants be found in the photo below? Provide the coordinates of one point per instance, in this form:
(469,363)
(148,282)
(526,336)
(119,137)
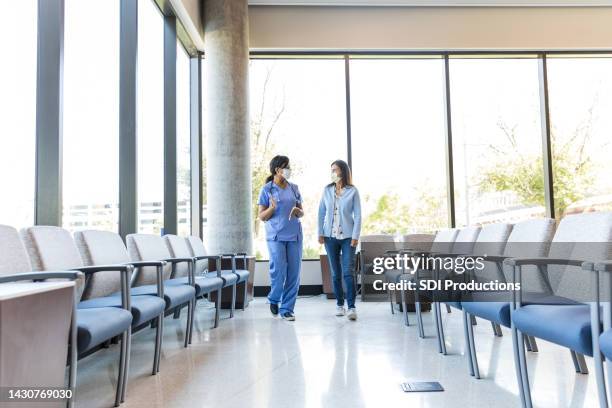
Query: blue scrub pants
(285,265)
(341,257)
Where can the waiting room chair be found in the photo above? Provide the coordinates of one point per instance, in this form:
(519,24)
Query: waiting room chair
(529,238)
(205,283)
(231,277)
(105,247)
(51,248)
(561,314)
(153,248)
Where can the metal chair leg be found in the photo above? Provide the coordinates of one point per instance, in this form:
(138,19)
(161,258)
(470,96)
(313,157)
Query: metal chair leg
(189,321)
(497,332)
(434,307)
(121,376)
(575,361)
(582,366)
(218,307)
(191,324)
(72,372)
(244,301)
(517,364)
(158,342)
(448,308)
(390,295)
(419,313)
(473,320)
(442,337)
(468,349)
(533,345)
(419,316)
(472,347)
(404,307)
(597,356)
(233,300)
(524,372)
(126,370)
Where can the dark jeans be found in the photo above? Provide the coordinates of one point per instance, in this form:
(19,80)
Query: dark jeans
(341,257)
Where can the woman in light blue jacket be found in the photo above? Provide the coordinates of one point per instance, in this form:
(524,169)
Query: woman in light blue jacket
(339,229)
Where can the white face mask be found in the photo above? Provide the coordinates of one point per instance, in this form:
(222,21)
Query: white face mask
(334,177)
(286,173)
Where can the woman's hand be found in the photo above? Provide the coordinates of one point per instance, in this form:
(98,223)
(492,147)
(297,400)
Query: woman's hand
(354,242)
(272,203)
(321,239)
(296,212)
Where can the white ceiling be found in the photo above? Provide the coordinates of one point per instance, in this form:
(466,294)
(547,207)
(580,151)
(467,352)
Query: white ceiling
(438,3)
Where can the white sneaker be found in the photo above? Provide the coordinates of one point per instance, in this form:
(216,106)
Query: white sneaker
(339,310)
(352,314)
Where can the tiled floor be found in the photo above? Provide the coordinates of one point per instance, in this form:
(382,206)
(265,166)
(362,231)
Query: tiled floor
(320,360)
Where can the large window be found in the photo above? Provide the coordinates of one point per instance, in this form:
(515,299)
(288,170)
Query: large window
(580,99)
(497,142)
(297,110)
(91,115)
(183,142)
(150,118)
(18,106)
(398,131)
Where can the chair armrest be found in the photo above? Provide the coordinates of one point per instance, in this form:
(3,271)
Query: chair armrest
(178,260)
(541,261)
(190,261)
(495,258)
(602,266)
(209,257)
(139,264)
(40,276)
(126,271)
(89,270)
(228,255)
(160,275)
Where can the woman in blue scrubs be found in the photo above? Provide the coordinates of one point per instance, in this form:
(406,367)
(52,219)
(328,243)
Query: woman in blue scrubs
(280,207)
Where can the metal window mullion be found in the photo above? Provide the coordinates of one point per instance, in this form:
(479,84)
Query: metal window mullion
(347,87)
(170,148)
(49,111)
(128,151)
(450,178)
(195,119)
(546,137)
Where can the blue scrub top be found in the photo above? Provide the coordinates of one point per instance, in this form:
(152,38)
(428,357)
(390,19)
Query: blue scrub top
(279,227)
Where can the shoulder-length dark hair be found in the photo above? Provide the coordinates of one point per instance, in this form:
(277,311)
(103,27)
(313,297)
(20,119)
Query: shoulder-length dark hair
(276,162)
(347,178)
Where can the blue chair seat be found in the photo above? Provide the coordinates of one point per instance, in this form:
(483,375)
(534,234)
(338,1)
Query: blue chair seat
(97,325)
(203,284)
(243,275)
(144,308)
(498,312)
(605,344)
(174,295)
(229,278)
(565,325)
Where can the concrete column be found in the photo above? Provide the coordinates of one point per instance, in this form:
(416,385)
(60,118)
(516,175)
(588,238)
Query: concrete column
(226,99)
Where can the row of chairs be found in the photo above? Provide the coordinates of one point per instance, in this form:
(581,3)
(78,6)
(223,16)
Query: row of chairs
(121,289)
(564,297)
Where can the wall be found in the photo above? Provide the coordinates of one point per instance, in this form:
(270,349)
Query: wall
(430,28)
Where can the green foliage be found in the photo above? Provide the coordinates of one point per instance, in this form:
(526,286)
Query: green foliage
(392,216)
(510,170)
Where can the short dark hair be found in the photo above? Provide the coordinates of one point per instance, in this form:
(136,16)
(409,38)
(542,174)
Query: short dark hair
(276,162)
(347,178)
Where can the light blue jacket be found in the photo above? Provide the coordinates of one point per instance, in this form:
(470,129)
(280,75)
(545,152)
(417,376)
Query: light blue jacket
(350,212)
